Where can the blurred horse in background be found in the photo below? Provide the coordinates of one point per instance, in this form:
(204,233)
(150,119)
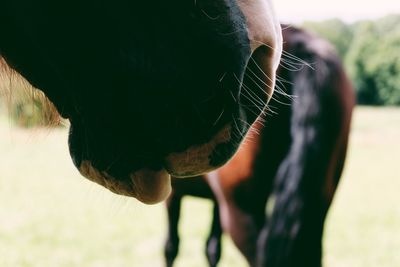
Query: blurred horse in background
(273,196)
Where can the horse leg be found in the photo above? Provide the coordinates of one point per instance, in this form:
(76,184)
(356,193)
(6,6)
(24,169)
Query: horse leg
(242,227)
(172,244)
(213,246)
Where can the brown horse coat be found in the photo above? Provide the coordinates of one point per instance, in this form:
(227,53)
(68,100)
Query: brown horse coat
(292,161)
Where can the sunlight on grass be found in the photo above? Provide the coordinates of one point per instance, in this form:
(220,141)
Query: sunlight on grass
(364,224)
(51,216)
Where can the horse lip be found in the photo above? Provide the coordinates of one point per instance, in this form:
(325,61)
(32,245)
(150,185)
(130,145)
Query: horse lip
(146,185)
(151,186)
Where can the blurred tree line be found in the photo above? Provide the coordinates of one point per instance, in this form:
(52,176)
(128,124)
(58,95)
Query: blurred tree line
(370,51)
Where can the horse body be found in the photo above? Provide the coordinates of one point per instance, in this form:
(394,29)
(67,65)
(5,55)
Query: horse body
(151,88)
(292,161)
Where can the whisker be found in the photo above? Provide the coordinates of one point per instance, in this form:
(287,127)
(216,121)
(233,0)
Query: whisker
(219,117)
(240,84)
(272,97)
(259,108)
(282,80)
(287,55)
(290,66)
(234,98)
(295,58)
(222,77)
(210,17)
(237,127)
(279,89)
(254,96)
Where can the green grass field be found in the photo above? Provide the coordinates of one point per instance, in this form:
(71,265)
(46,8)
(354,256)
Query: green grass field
(51,217)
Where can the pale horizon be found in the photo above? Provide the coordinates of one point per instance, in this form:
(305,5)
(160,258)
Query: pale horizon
(346,10)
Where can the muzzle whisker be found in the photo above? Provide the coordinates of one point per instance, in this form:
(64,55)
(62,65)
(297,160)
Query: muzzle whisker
(296,59)
(279,89)
(262,89)
(249,91)
(237,127)
(219,117)
(254,96)
(260,109)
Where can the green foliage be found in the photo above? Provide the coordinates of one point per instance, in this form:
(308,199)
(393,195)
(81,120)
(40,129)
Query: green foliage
(335,31)
(371,52)
(374,61)
(356,63)
(27,113)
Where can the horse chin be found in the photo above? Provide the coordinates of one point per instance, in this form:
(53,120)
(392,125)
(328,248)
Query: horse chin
(147,186)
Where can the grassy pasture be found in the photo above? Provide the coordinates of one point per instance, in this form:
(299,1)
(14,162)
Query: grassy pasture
(51,217)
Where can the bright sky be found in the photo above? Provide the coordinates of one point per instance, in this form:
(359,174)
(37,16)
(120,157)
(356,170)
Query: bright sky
(348,10)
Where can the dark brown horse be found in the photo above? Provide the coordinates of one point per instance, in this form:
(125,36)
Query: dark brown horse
(292,160)
(151,88)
